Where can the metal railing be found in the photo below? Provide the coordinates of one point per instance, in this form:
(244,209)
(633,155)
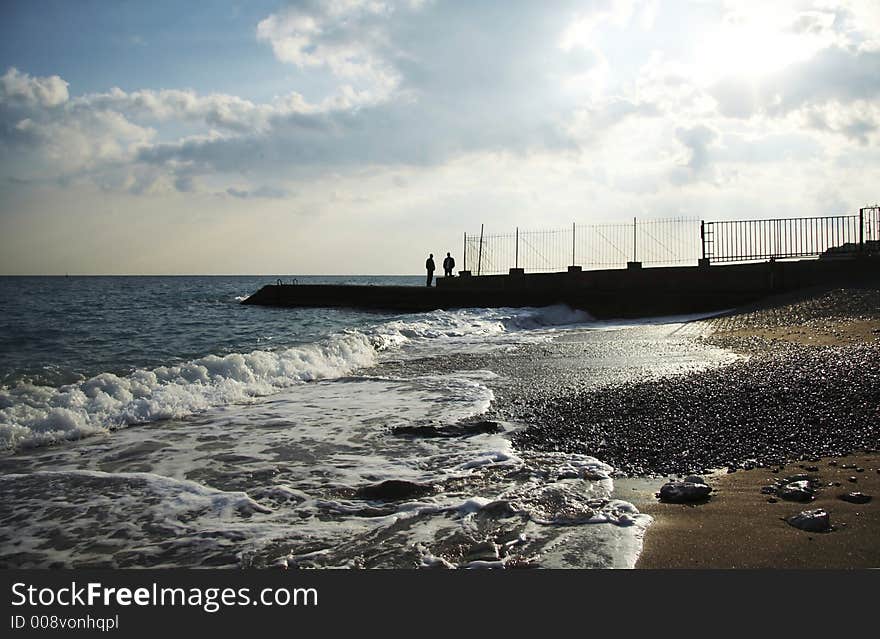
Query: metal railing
(671,242)
(782,238)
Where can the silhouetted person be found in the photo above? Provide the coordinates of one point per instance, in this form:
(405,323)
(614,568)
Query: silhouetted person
(448,265)
(429,265)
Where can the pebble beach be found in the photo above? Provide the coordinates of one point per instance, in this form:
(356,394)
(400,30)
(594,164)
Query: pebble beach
(801,402)
(786,398)
(786,387)
(825,344)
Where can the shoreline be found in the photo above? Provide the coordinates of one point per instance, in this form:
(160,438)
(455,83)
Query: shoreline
(740,527)
(801,393)
(801,388)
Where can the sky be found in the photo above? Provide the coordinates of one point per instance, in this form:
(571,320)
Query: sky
(356,136)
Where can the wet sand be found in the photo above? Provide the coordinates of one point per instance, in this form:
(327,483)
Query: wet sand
(739,527)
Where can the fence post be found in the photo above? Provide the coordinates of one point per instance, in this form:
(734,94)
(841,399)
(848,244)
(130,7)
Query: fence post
(703,237)
(777,246)
(464,254)
(634,240)
(572,243)
(516,258)
(861,230)
(480,254)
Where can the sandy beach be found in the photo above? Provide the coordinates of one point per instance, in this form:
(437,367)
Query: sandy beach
(741,527)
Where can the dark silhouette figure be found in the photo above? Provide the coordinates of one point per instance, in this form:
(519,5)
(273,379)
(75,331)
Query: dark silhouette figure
(448,265)
(429,265)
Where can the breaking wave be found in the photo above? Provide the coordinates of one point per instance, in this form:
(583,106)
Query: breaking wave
(33,416)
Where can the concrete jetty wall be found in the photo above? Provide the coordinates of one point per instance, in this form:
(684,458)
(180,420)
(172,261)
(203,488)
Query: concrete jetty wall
(608,293)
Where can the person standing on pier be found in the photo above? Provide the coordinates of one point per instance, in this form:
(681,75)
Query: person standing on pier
(448,265)
(429,265)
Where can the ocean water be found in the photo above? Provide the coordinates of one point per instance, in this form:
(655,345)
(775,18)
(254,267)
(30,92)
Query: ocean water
(157,422)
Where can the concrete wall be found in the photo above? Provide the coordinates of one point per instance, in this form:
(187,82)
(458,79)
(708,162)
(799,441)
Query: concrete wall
(609,293)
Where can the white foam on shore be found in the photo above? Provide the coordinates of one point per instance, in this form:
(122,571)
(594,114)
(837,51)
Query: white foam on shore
(38,415)
(138,518)
(270,480)
(559,513)
(282,470)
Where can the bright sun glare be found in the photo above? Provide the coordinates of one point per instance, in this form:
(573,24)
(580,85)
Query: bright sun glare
(751,49)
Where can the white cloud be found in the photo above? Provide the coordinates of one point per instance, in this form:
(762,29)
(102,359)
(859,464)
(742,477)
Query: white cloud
(217,110)
(21,89)
(347,37)
(41,123)
(104,136)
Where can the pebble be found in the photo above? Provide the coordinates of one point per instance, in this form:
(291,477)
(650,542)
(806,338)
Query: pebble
(855,498)
(797,491)
(681,492)
(811,520)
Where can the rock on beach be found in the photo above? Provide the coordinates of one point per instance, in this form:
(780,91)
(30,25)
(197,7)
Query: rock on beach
(811,520)
(683,492)
(797,491)
(393,490)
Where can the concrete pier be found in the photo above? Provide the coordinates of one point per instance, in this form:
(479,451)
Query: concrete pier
(632,292)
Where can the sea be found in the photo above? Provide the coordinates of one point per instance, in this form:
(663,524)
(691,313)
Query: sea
(158,422)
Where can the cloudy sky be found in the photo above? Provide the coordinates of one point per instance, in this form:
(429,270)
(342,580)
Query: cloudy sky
(354,136)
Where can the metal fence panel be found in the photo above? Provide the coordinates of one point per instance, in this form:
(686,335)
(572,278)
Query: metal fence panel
(670,242)
(592,246)
(754,240)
